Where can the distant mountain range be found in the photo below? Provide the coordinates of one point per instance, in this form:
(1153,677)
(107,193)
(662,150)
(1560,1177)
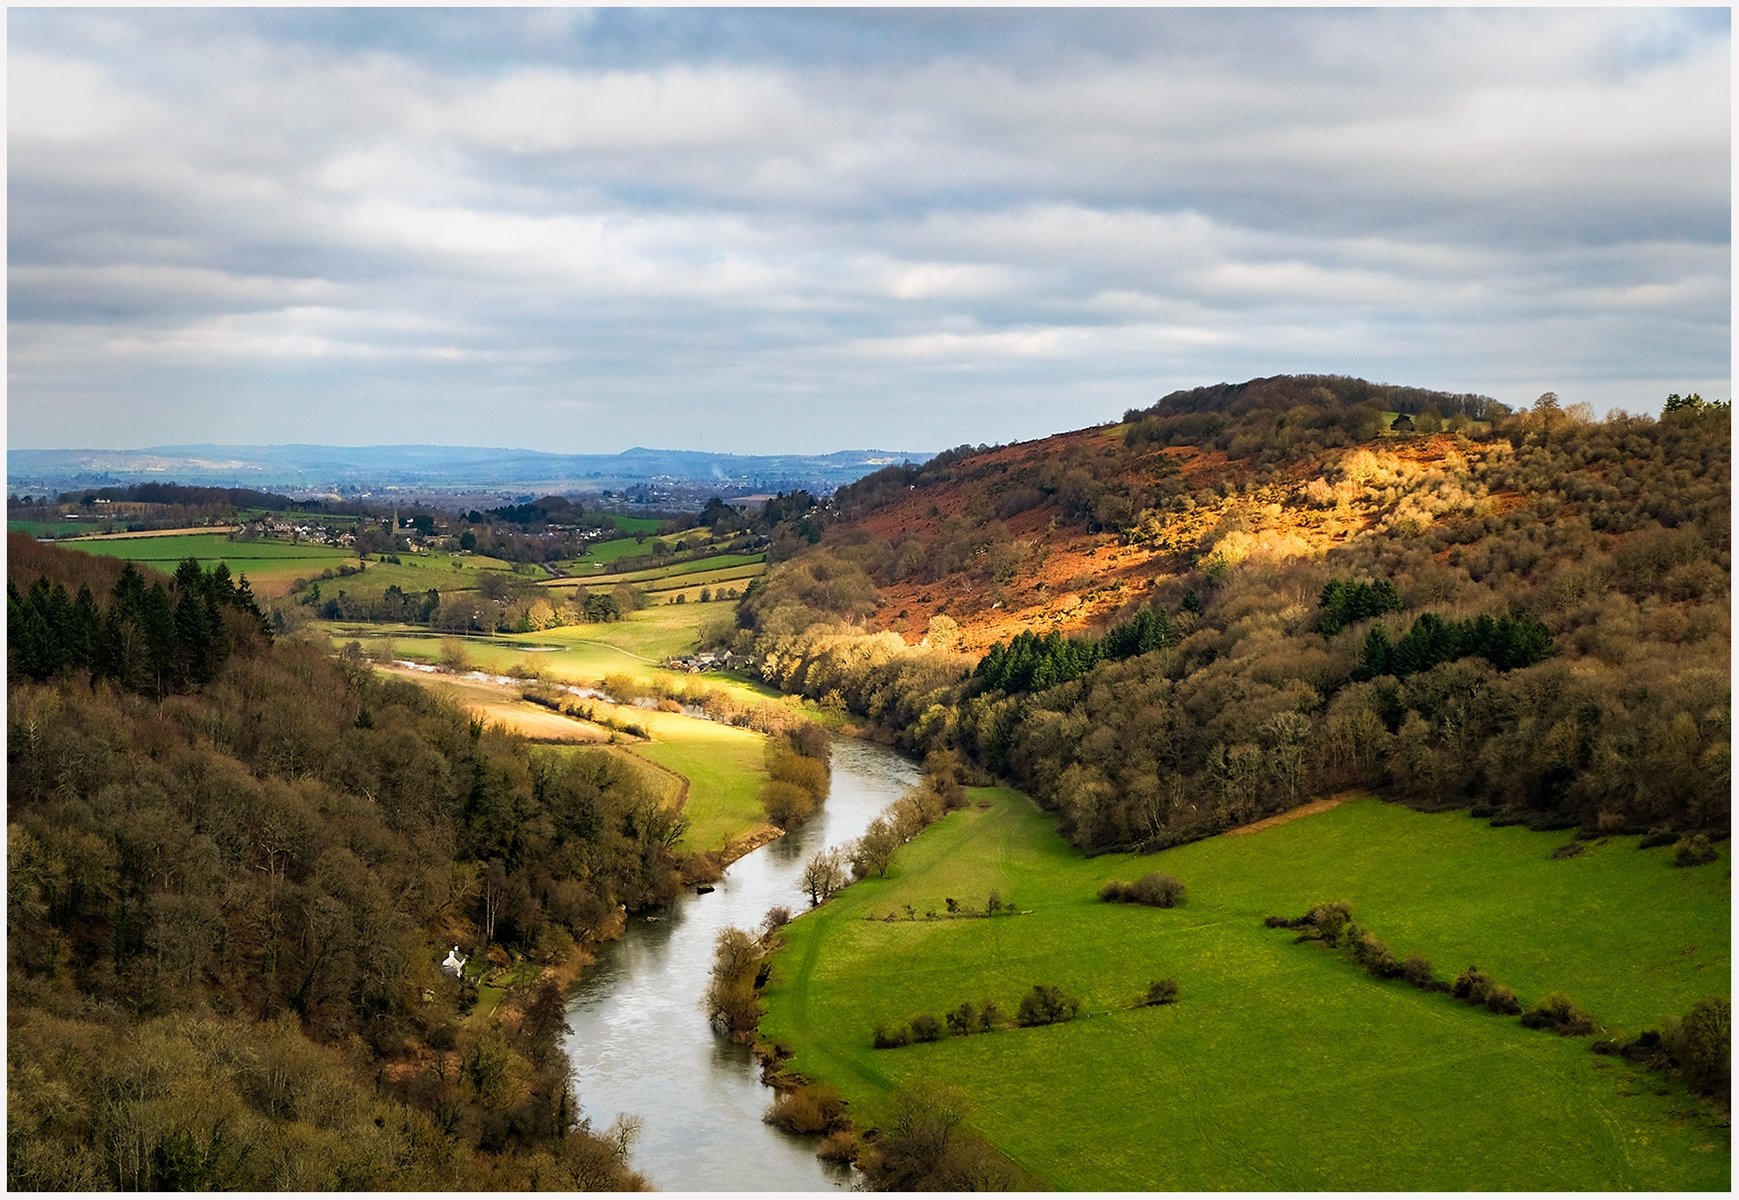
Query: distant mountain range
(309,467)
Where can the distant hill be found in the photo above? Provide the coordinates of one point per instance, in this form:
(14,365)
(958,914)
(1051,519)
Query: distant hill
(333,467)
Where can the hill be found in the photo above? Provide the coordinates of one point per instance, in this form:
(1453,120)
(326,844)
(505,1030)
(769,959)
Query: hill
(318,467)
(1250,594)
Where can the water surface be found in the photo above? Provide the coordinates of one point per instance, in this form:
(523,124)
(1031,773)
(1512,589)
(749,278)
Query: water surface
(641,1044)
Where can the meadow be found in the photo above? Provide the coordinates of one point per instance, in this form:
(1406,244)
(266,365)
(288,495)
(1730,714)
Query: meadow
(1282,1066)
(270,566)
(636,646)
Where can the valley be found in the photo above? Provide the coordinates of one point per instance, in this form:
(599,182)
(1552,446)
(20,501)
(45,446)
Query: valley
(1469,682)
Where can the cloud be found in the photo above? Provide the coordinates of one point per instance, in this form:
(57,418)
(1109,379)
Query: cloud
(836,225)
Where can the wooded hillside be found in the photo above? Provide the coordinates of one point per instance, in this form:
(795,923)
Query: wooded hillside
(228,899)
(1250,594)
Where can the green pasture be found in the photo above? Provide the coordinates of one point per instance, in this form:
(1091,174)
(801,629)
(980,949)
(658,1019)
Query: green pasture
(691,570)
(270,566)
(725,768)
(647,525)
(724,773)
(417,573)
(636,646)
(639,541)
(1281,1067)
(54,529)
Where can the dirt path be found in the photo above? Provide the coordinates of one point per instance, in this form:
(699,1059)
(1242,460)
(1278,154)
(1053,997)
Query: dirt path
(1306,810)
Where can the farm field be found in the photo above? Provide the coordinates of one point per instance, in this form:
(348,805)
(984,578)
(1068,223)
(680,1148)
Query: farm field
(636,646)
(270,566)
(601,554)
(54,529)
(415,573)
(699,570)
(725,768)
(1282,1066)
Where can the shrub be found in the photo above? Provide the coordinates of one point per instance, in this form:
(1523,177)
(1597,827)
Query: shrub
(1558,1013)
(926,1028)
(812,1108)
(1701,1043)
(1162,991)
(1472,986)
(1503,1001)
(1376,958)
(1157,890)
(1046,1004)
(1417,970)
(891,1039)
(992,1016)
(1656,837)
(1693,851)
(963,1020)
(839,1147)
(1331,921)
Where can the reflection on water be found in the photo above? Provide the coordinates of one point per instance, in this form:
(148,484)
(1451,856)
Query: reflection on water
(641,1043)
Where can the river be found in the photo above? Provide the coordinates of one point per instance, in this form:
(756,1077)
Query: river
(641,1044)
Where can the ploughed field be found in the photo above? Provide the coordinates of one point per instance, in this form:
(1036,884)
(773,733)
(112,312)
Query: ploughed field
(1281,1065)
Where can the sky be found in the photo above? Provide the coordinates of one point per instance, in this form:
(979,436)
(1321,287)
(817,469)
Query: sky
(790,230)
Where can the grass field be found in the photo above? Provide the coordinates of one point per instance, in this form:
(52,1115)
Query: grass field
(55,529)
(732,566)
(1281,1066)
(415,573)
(269,566)
(725,768)
(637,646)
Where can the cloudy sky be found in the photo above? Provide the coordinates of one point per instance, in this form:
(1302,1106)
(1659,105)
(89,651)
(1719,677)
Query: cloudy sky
(806,230)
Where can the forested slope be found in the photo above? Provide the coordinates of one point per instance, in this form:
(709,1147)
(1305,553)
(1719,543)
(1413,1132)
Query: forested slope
(1254,593)
(231,880)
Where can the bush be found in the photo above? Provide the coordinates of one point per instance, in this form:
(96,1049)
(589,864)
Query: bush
(1472,986)
(1503,1001)
(926,1028)
(891,1039)
(1656,837)
(1330,921)
(1161,991)
(1701,1043)
(839,1147)
(812,1108)
(1418,971)
(1376,958)
(963,1020)
(1157,890)
(1558,1013)
(992,1017)
(1693,851)
(1046,1004)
